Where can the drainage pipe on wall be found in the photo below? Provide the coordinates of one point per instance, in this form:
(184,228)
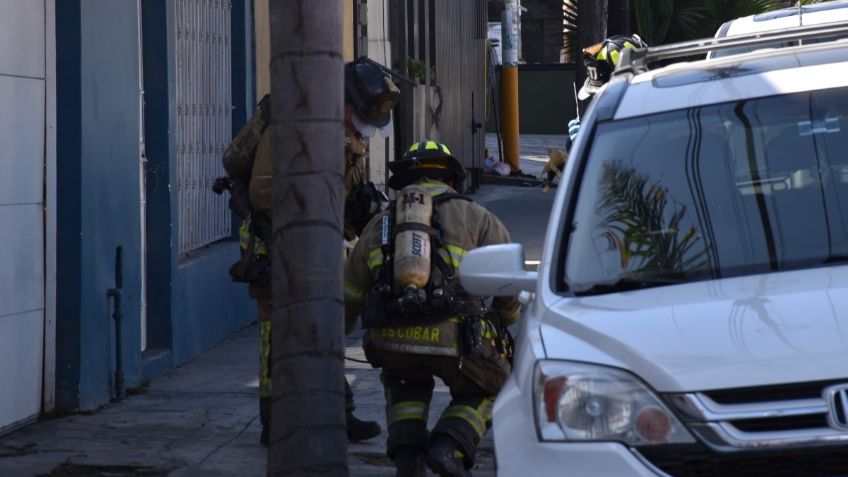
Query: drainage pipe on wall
(117,315)
(142,188)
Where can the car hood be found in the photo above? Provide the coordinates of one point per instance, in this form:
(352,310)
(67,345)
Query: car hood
(738,332)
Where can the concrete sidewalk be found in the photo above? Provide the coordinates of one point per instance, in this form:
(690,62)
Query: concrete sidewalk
(534,150)
(199,420)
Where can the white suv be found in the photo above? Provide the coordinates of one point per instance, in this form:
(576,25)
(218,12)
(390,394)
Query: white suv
(690,314)
(815,14)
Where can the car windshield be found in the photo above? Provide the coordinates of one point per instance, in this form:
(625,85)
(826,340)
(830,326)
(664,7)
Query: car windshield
(717,191)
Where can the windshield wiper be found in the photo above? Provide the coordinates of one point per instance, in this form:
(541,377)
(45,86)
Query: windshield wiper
(628,284)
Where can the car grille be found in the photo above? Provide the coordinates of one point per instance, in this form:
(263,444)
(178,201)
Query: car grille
(691,461)
(775,431)
(765,417)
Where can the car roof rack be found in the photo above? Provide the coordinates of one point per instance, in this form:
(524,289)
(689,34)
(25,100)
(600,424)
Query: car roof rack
(637,60)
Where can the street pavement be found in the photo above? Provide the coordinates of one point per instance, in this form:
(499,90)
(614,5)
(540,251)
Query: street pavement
(534,150)
(201,419)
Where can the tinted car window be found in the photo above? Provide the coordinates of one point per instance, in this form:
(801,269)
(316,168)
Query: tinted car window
(725,190)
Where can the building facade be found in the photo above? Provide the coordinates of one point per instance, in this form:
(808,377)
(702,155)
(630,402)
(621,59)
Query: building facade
(116,113)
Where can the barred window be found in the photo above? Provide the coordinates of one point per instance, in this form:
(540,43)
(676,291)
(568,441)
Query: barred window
(203,119)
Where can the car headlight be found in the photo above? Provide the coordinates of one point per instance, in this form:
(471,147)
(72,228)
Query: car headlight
(583,402)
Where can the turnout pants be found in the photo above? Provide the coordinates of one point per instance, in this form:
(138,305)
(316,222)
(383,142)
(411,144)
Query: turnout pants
(265,311)
(408,384)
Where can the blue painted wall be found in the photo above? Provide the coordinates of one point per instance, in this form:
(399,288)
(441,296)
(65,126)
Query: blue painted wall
(68,266)
(192,303)
(101,190)
(207,305)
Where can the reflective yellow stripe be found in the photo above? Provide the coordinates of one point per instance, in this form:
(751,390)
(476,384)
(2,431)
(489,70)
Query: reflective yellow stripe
(602,55)
(477,418)
(408,410)
(488,330)
(375,258)
(615,54)
(446,150)
(414,147)
(352,292)
(433,188)
(432,146)
(244,240)
(244,235)
(452,254)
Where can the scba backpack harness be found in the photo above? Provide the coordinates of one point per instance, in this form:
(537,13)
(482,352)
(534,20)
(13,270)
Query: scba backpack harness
(411,239)
(407,312)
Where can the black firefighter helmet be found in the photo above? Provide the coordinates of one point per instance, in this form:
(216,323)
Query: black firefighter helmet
(601,59)
(370,91)
(426,158)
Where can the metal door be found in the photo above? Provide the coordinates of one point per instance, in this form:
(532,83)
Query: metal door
(22,165)
(461,63)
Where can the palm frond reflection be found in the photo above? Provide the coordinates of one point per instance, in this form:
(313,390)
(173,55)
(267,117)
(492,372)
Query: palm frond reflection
(646,228)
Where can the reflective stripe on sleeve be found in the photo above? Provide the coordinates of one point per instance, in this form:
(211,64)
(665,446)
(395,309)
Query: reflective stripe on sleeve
(452,254)
(375,258)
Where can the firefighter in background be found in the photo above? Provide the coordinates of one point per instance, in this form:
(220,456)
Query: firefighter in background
(401,278)
(370,96)
(600,61)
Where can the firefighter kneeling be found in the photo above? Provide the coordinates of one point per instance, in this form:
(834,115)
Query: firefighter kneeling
(401,278)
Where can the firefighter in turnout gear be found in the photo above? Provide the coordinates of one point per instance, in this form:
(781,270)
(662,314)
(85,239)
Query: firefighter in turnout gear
(369,98)
(401,280)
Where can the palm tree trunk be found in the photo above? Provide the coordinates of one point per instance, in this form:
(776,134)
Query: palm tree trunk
(308,416)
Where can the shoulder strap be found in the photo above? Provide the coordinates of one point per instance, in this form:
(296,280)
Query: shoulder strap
(442,198)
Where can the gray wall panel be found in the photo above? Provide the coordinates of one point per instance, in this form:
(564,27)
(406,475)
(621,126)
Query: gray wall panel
(23,21)
(22,144)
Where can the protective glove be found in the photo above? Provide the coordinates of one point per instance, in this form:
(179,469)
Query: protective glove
(573,128)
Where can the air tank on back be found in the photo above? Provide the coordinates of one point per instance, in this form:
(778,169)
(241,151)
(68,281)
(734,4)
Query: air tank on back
(412,245)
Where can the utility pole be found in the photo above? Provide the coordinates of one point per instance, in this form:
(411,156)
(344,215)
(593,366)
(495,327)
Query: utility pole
(509,83)
(308,406)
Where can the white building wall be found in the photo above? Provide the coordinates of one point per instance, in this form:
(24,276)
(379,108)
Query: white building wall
(379,50)
(23,101)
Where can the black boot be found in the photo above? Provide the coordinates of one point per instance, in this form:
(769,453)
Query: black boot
(446,459)
(410,462)
(263,438)
(361,430)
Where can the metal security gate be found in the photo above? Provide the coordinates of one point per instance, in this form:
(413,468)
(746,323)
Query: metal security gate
(203,123)
(23,87)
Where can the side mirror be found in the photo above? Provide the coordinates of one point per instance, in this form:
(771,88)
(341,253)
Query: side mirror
(496,270)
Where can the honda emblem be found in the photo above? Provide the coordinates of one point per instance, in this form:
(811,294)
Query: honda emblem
(837,405)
